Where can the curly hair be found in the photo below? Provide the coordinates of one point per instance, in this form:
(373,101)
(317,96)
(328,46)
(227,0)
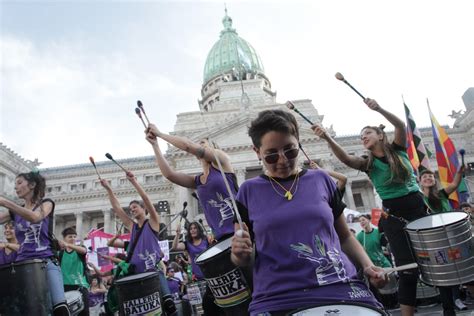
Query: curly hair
(39,182)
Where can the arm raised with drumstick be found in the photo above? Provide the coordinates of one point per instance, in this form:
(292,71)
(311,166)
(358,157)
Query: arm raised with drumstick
(119,211)
(154,216)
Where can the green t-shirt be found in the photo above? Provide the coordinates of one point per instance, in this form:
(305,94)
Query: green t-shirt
(444,203)
(381,177)
(72,268)
(373,248)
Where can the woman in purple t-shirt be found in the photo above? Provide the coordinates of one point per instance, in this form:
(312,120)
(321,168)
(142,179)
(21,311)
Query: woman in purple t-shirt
(196,243)
(33,229)
(293,218)
(9,248)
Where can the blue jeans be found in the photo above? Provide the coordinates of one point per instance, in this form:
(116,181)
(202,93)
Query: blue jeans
(55,282)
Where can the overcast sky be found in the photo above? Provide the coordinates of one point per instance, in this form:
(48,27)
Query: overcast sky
(71,71)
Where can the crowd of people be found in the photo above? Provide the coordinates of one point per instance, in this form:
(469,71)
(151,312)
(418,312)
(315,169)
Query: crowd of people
(288,228)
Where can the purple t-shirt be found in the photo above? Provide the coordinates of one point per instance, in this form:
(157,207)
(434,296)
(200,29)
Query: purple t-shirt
(216,202)
(299,261)
(95,299)
(34,238)
(7,258)
(147,253)
(195,251)
(174,285)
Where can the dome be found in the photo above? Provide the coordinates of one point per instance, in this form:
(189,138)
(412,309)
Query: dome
(231,51)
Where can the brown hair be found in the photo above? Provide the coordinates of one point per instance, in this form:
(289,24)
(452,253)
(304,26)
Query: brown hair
(35,178)
(400,172)
(434,201)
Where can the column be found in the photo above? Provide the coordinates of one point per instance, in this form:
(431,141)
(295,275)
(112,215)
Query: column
(107,226)
(348,197)
(79,224)
(240,174)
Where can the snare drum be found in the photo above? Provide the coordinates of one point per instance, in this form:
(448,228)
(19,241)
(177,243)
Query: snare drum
(443,248)
(340,309)
(74,302)
(139,294)
(24,289)
(226,281)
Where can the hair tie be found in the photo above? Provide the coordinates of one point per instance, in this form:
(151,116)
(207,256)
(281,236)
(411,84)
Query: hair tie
(35,171)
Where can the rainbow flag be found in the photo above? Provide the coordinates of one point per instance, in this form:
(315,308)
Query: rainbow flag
(417,153)
(446,156)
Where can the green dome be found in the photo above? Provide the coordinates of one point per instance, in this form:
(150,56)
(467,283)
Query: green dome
(230,51)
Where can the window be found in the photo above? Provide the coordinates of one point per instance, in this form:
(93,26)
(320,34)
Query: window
(73,187)
(82,186)
(148,179)
(96,184)
(50,189)
(358,200)
(57,188)
(123,181)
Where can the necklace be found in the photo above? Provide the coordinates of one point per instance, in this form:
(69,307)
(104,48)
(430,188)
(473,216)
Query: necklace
(288,195)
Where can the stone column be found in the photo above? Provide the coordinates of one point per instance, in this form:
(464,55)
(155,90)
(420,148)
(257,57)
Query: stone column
(240,174)
(79,225)
(348,197)
(107,226)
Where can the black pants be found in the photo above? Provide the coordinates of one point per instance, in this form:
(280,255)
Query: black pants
(446,297)
(402,210)
(85,297)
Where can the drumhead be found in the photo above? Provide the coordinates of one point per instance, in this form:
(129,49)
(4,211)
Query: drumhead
(339,310)
(139,276)
(215,250)
(437,220)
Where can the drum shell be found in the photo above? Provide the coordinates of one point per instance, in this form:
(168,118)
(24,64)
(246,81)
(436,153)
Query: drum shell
(219,267)
(24,289)
(132,290)
(74,302)
(444,254)
(339,309)
(391,287)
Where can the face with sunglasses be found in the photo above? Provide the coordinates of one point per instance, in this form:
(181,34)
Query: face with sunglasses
(279,153)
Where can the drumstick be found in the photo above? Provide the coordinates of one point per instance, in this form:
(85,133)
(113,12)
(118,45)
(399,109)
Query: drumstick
(400,268)
(291,106)
(137,110)
(140,105)
(304,152)
(109,156)
(339,76)
(95,167)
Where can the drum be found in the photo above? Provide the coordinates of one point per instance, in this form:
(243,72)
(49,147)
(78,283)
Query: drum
(183,307)
(225,280)
(139,294)
(74,302)
(391,287)
(24,289)
(443,248)
(340,309)
(426,295)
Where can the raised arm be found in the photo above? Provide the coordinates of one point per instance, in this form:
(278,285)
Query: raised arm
(349,160)
(127,221)
(453,186)
(154,216)
(341,179)
(169,173)
(29,215)
(202,152)
(400,129)
(177,246)
(9,245)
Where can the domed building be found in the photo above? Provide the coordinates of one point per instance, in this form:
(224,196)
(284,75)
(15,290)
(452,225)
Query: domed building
(235,88)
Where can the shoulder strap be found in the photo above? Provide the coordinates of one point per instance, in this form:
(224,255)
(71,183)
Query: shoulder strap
(135,241)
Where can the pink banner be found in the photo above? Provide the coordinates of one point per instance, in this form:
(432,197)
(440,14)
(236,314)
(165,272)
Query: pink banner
(97,241)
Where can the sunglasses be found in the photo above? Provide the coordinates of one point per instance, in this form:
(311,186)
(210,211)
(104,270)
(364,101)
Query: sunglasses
(289,154)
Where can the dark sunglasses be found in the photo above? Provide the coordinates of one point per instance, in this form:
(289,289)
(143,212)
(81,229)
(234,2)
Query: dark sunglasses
(289,154)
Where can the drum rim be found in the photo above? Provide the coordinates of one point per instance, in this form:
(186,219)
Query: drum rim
(431,215)
(134,277)
(209,249)
(340,303)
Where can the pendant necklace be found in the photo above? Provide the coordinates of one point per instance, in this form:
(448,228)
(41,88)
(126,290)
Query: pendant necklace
(288,195)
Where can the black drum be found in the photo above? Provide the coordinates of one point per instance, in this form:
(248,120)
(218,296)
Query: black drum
(24,289)
(226,281)
(139,294)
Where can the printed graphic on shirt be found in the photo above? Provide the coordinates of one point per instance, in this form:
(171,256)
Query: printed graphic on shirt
(329,265)
(225,207)
(149,260)
(32,235)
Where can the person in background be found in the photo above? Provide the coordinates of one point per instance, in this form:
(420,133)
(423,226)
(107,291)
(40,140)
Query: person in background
(96,296)
(175,284)
(72,259)
(9,248)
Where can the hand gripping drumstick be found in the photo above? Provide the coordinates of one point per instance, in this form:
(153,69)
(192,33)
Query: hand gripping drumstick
(95,167)
(140,105)
(109,156)
(137,110)
(400,268)
(291,106)
(339,76)
(462,152)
